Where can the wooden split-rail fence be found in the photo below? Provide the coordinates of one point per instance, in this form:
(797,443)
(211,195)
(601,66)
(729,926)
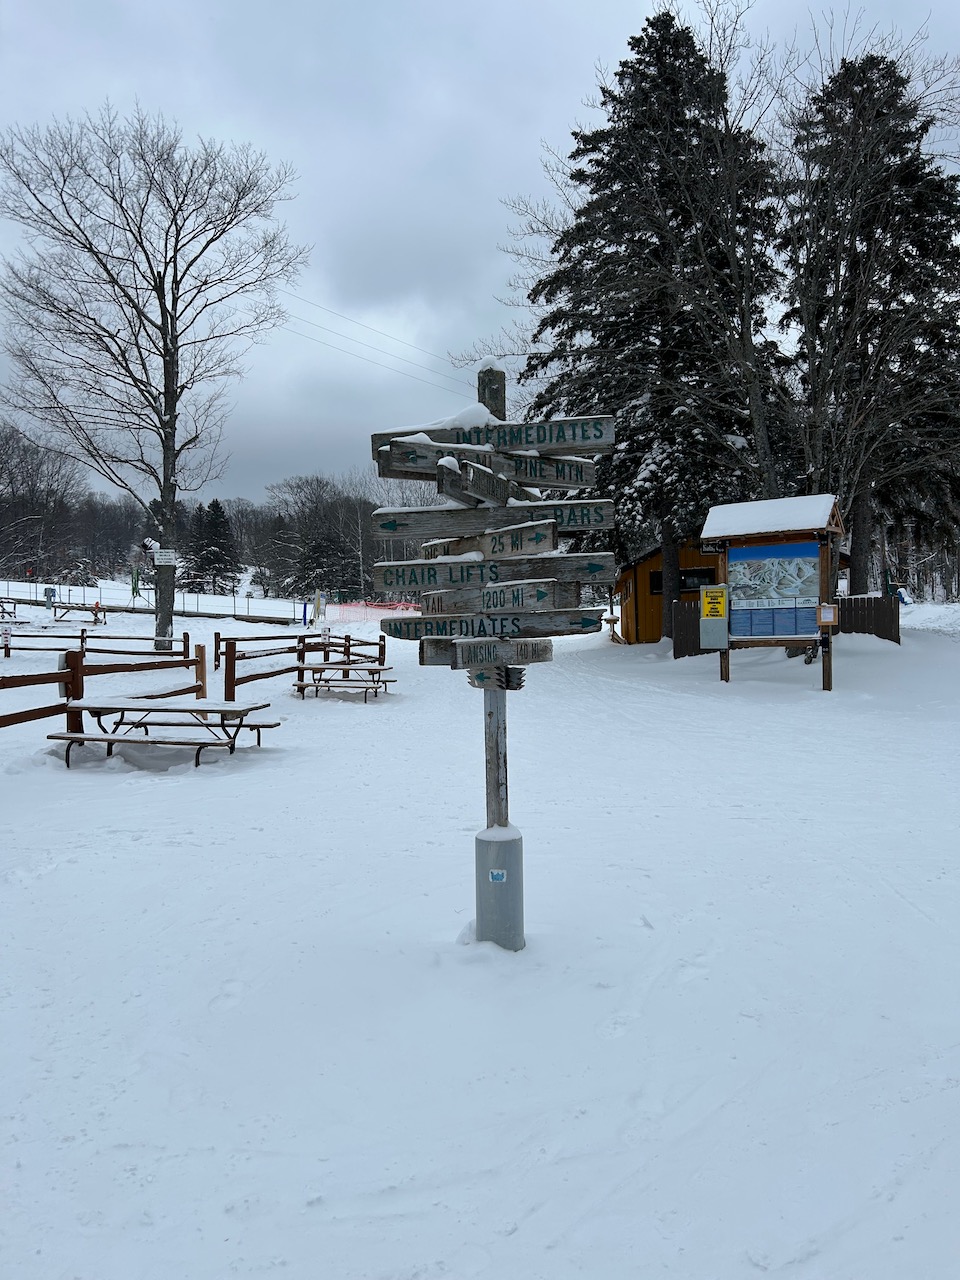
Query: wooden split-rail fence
(300,655)
(70,679)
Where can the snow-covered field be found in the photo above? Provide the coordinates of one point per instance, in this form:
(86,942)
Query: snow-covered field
(245,1030)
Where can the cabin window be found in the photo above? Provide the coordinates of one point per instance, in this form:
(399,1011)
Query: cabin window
(690,579)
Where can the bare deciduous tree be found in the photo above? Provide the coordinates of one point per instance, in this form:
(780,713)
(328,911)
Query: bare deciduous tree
(151,266)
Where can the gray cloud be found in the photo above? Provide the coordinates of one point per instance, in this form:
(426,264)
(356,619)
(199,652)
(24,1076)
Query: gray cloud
(407,122)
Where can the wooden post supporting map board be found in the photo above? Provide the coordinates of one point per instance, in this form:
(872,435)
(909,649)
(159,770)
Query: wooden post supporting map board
(492,583)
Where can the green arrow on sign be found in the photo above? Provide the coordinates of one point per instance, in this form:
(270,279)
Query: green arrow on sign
(412,457)
(539,537)
(594,568)
(481,676)
(392,525)
(588,622)
(542,595)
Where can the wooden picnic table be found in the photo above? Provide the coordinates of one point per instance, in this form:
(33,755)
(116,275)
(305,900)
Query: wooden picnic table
(205,722)
(345,677)
(61,609)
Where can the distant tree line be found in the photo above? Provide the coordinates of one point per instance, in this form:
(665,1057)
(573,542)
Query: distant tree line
(314,533)
(755,265)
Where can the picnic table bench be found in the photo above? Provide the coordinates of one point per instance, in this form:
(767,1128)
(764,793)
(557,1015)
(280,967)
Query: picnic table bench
(61,609)
(345,677)
(204,723)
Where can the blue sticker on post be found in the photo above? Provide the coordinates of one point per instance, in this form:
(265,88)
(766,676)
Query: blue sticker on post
(498,877)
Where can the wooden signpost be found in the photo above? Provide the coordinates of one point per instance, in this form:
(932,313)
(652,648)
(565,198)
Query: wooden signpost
(493,587)
(596,568)
(515,540)
(402,460)
(422,523)
(561,437)
(542,593)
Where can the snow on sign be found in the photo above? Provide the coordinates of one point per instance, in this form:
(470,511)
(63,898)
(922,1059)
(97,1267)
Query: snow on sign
(563,436)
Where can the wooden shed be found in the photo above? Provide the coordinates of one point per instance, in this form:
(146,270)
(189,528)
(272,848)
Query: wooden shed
(640,587)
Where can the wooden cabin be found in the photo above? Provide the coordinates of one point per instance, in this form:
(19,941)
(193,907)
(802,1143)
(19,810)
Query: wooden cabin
(640,587)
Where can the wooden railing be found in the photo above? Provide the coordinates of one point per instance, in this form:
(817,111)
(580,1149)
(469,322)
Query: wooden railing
(348,649)
(74,672)
(64,640)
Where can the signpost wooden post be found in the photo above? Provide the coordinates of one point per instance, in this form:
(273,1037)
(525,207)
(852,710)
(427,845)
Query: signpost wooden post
(493,586)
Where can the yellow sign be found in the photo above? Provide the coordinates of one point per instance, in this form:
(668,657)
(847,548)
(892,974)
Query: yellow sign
(713,602)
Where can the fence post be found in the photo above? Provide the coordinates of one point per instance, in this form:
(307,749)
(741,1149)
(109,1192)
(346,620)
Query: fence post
(186,644)
(200,669)
(382,651)
(83,639)
(301,659)
(216,651)
(73,661)
(230,671)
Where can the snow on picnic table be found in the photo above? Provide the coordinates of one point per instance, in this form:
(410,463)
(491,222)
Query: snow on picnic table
(245,1029)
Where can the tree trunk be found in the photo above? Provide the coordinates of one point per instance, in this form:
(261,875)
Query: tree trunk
(671,576)
(770,485)
(861,536)
(166,574)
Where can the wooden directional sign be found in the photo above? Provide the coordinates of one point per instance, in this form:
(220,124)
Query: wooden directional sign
(598,568)
(519,596)
(419,524)
(404,460)
(471,485)
(515,540)
(482,483)
(485,626)
(450,485)
(546,473)
(461,655)
(562,436)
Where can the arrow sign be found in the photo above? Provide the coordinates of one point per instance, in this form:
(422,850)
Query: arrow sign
(514,540)
(461,655)
(485,626)
(519,596)
(561,436)
(482,483)
(400,461)
(408,576)
(424,523)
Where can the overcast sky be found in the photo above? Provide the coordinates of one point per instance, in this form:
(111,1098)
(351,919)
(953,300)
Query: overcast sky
(408,122)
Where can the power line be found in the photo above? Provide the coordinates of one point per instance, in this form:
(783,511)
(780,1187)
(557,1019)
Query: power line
(357,356)
(370,347)
(433,355)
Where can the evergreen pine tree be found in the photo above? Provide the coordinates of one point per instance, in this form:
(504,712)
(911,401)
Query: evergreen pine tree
(220,562)
(654,306)
(192,570)
(874,261)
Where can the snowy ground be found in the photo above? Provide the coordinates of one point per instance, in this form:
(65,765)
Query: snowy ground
(244,1030)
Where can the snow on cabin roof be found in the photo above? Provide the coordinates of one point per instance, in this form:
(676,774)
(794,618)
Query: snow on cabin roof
(775,515)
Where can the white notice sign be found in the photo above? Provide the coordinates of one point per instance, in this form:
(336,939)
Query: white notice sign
(164,556)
